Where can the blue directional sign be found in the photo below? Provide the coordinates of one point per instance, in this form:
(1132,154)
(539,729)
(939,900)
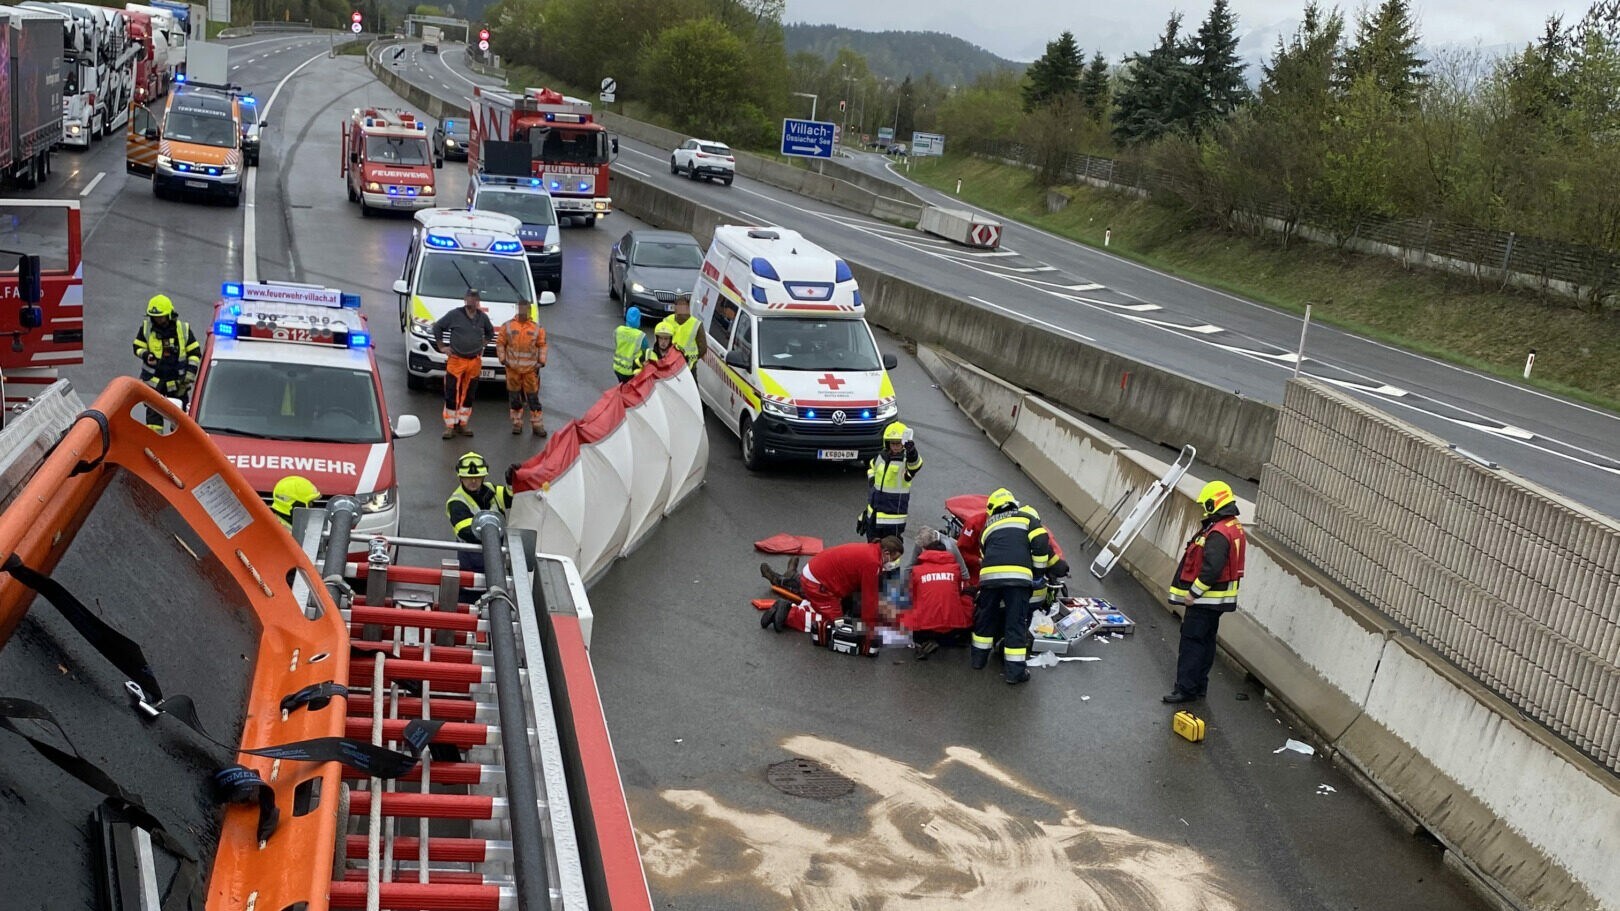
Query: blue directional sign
(807,138)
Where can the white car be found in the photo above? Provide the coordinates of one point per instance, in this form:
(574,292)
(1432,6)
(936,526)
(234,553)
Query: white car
(704,158)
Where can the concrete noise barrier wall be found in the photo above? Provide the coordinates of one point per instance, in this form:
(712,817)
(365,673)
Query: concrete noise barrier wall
(1528,818)
(602,482)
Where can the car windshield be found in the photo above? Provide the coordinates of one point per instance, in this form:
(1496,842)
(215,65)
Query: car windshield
(571,146)
(498,279)
(280,401)
(713,149)
(807,343)
(396,150)
(529,208)
(668,255)
(203,129)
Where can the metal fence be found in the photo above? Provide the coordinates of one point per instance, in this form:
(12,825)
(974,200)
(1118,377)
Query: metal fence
(1566,270)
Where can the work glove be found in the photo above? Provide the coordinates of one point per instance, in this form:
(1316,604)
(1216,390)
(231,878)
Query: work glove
(151,360)
(1058,570)
(511,473)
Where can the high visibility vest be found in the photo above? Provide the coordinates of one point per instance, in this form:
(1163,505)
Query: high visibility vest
(891,486)
(685,336)
(463,506)
(628,343)
(1189,589)
(183,355)
(520,344)
(1014,546)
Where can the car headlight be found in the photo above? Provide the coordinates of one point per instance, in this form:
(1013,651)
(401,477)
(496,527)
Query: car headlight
(451,143)
(376,502)
(427,190)
(373,187)
(74,129)
(228,169)
(165,160)
(601,206)
(779,409)
(553,248)
(637,287)
(887,410)
(422,327)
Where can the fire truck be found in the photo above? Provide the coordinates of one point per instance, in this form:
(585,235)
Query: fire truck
(568,149)
(387,162)
(41,297)
(289,386)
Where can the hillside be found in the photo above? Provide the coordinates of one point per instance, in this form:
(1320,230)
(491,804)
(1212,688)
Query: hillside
(899,54)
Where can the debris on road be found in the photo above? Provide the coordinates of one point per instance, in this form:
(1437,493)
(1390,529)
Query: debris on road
(1297,747)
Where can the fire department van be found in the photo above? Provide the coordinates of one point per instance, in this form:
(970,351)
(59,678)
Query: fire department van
(289,386)
(452,251)
(792,367)
(386,160)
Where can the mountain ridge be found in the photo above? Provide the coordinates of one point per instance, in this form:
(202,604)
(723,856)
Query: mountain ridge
(897,54)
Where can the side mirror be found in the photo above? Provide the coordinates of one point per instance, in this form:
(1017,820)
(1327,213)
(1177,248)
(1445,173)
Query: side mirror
(400,287)
(547,298)
(890,361)
(407,426)
(615,141)
(354,158)
(738,359)
(619,257)
(151,133)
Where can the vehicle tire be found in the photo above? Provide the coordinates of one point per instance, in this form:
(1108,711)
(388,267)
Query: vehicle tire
(235,199)
(692,171)
(613,291)
(157,189)
(365,210)
(752,459)
(727,181)
(590,221)
(412,381)
(673,168)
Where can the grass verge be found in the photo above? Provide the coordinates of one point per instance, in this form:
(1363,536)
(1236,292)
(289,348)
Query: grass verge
(1449,317)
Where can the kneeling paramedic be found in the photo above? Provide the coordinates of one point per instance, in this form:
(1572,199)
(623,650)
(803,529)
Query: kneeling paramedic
(1207,585)
(1016,552)
(941,609)
(832,584)
(472,496)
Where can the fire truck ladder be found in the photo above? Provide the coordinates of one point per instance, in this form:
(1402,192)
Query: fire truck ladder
(485,821)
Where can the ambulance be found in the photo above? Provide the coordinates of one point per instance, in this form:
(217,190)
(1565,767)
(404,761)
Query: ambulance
(289,386)
(792,367)
(451,252)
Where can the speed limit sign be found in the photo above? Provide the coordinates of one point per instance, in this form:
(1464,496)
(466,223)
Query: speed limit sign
(483,45)
(355,28)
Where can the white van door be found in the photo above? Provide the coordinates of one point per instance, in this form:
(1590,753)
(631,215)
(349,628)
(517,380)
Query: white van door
(713,386)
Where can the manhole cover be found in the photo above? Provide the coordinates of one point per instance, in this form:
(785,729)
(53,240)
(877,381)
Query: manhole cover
(807,778)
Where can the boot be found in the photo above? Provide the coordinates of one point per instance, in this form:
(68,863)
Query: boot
(771,575)
(767,618)
(464,430)
(979,658)
(540,428)
(449,432)
(779,614)
(517,429)
(1015,673)
(793,567)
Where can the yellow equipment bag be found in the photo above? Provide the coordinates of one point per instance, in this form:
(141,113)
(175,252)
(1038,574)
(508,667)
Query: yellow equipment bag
(1189,726)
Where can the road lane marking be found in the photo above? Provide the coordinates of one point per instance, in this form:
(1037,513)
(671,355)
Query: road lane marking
(642,174)
(452,71)
(1027,318)
(92,184)
(250,190)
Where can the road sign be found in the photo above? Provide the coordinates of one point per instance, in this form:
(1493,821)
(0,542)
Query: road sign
(355,27)
(483,34)
(483,44)
(838,135)
(354,16)
(924,144)
(609,85)
(607,97)
(986,236)
(885,135)
(808,138)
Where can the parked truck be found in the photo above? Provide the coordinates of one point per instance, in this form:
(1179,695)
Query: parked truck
(431,36)
(191,18)
(152,71)
(171,31)
(98,70)
(568,150)
(31,99)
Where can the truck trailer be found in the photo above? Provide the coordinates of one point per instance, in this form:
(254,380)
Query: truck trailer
(31,99)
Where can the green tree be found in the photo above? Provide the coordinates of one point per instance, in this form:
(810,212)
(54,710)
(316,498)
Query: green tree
(1295,104)
(1094,87)
(980,114)
(1157,91)
(1385,50)
(697,73)
(1055,74)
(1217,71)
(905,110)
(516,29)
(1358,161)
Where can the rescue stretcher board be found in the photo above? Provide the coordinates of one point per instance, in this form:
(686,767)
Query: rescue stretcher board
(1138,517)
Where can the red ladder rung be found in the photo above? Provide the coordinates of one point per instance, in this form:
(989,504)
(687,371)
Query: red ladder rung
(445,708)
(443,773)
(462,734)
(430,806)
(448,654)
(436,673)
(437,877)
(440,849)
(431,897)
(415,619)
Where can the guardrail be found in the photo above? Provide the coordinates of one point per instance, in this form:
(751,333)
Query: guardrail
(295,25)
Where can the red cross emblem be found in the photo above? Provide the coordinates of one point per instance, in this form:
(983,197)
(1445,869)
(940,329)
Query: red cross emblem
(831,382)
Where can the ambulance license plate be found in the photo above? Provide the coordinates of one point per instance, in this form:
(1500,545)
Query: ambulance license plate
(486,374)
(838,455)
(197,184)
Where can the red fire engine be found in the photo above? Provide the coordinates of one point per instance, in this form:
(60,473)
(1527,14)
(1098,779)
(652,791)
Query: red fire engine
(387,162)
(39,336)
(568,149)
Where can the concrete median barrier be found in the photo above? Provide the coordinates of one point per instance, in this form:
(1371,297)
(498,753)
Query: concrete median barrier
(990,402)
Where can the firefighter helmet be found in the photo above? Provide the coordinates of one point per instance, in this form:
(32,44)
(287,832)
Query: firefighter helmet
(1214,496)
(293,492)
(160,305)
(894,433)
(472,465)
(1000,500)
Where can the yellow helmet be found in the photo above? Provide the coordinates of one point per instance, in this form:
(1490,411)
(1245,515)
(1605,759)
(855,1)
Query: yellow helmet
(1214,496)
(1001,499)
(894,433)
(292,492)
(160,305)
(472,465)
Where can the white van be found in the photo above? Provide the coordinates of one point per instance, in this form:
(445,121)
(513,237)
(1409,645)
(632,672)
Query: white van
(451,251)
(793,368)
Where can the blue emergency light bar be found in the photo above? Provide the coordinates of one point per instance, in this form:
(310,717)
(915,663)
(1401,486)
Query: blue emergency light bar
(441,242)
(248,99)
(506,246)
(584,186)
(225,328)
(179,77)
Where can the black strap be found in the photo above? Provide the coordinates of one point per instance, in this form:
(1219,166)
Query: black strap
(106,442)
(240,784)
(117,648)
(316,696)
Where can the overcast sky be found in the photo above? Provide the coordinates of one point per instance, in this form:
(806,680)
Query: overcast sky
(1020,29)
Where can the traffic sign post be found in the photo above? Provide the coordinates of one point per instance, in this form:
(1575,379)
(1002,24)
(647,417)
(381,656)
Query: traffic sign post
(354,27)
(483,44)
(808,138)
(610,86)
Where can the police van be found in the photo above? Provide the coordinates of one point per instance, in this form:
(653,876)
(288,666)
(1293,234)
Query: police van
(453,251)
(530,203)
(289,386)
(792,367)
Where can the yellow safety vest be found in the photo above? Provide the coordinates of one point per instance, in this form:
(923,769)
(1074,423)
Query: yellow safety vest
(684,334)
(628,343)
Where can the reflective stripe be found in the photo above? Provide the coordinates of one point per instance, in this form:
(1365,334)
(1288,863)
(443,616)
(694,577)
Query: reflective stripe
(982,641)
(520,344)
(1014,654)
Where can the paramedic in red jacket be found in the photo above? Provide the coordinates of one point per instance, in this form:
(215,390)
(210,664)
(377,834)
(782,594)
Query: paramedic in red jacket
(832,580)
(940,610)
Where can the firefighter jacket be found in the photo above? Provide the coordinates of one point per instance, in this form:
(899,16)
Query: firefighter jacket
(937,601)
(967,543)
(629,350)
(462,506)
(521,345)
(176,352)
(1213,564)
(1014,550)
(890,495)
(844,569)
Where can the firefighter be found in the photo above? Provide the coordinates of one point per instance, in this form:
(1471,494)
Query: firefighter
(169,353)
(890,476)
(1015,552)
(462,335)
(663,341)
(471,496)
(629,346)
(290,493)
(941,609)
(520,345)
(834,582)
(1207,586)
(685,330)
